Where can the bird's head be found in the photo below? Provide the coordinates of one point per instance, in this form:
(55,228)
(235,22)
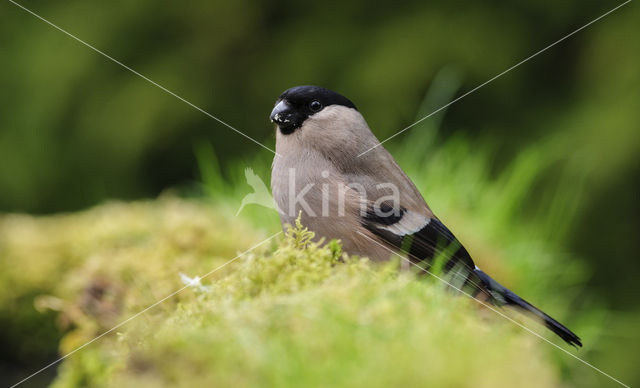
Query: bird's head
(301,105)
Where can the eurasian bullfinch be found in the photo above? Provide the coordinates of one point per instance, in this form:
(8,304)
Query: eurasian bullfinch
(332,171)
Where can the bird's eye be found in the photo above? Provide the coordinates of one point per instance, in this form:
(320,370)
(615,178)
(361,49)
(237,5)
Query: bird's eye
(315,105)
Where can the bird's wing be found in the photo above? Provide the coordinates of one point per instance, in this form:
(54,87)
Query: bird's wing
(421,237)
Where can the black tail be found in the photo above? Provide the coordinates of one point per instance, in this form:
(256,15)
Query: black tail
(503,296)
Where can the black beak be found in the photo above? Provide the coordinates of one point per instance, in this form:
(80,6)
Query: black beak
(286,117)
(281,113)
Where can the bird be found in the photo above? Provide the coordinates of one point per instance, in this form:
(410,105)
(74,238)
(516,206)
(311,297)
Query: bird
(332,173)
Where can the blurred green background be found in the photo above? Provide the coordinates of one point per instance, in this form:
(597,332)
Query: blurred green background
(77,129)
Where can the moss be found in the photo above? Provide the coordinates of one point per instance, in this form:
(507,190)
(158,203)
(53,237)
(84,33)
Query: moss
(289,313)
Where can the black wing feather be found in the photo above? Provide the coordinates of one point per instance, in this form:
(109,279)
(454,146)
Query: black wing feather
(423,245)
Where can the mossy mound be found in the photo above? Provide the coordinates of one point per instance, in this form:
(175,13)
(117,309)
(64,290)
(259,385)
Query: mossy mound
(287,313)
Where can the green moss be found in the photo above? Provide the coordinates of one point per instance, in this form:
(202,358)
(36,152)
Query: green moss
(289,313)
